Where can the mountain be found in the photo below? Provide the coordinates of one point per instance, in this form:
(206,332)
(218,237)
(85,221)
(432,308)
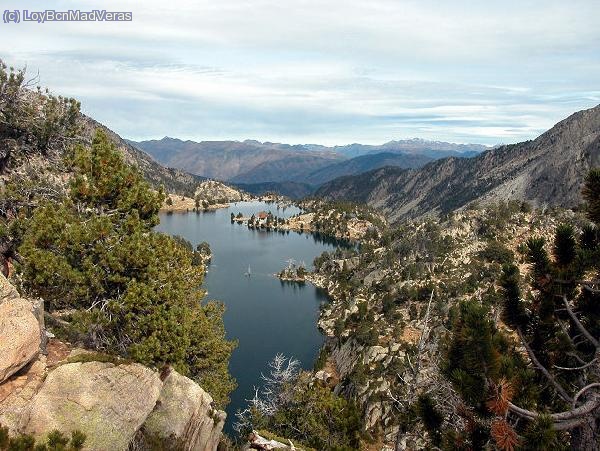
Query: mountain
(251,162)
(247,161)
(365,163)
(293,190)
(291,168)
(416,146)
(301,182)
(548,170)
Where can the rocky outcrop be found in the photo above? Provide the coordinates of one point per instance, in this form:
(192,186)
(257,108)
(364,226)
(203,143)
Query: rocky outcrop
(107,402)
(7,291)
(114,403)
(257,441)
(19,336)
(20,332)
(185,411)
(17,392)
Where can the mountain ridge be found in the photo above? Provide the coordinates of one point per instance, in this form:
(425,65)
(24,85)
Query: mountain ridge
(547,170)
(252,161)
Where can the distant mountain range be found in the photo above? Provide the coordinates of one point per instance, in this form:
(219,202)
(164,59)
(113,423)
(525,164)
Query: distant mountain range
(548,170)
(308,166)
(226,160)
(418,146)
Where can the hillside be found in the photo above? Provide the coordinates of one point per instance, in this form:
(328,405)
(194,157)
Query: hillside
(294,190)
(225,160)
(293,178)
(391,313)
(291,168)
(546,171)
(173,180)
(366,163)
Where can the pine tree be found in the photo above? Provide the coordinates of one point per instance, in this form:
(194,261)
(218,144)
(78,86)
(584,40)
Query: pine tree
(471,358)
(565,245)
(559,331)
(136,291)
(591,193)
(514,312)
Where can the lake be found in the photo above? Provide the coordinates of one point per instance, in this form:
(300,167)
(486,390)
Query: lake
(265,315)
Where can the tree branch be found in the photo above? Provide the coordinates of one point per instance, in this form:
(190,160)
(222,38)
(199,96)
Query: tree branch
(583,390)
(561,391)
(585,409)
(583,330)
(582,367)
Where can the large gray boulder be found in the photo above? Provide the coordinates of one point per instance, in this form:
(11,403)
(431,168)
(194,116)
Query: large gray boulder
(20,335)
(114,404)
(107,402)
(185,411)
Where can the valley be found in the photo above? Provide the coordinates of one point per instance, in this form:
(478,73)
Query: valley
(257,301)
(448,296)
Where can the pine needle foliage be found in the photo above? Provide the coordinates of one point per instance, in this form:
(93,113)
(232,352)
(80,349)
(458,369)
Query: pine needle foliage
(136,292)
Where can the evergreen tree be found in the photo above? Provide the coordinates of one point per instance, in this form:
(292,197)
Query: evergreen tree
(565,245)
(591,193)
(137,292)
(514,313)
(554,402)
(471,357)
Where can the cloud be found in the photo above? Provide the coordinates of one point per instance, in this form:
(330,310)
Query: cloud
(328,71)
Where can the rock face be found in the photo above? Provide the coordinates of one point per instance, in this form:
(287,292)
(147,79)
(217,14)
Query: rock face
(184,410)
(20,336)
(7,291)
(114,404)
(107,402)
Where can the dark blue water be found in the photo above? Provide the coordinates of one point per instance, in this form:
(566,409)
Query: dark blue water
(265,315)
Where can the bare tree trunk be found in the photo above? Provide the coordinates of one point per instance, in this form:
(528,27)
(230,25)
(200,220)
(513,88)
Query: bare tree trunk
(587,436)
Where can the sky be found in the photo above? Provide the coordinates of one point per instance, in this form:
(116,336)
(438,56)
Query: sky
(326,71)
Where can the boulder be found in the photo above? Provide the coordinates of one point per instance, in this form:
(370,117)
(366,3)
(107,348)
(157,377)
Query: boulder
(105,401)
(185,412)
(373,277)
(375,354)
(20,335)
(323,376)
(17,392)
(7,291)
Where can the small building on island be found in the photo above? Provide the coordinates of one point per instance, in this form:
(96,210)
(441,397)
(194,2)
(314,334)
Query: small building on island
(262,217)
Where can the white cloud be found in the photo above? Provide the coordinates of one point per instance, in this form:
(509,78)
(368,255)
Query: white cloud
(330,71)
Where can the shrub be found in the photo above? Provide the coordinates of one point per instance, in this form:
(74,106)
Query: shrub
(56,441)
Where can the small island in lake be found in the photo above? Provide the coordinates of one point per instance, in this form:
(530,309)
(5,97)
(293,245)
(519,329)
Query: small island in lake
(293,272)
